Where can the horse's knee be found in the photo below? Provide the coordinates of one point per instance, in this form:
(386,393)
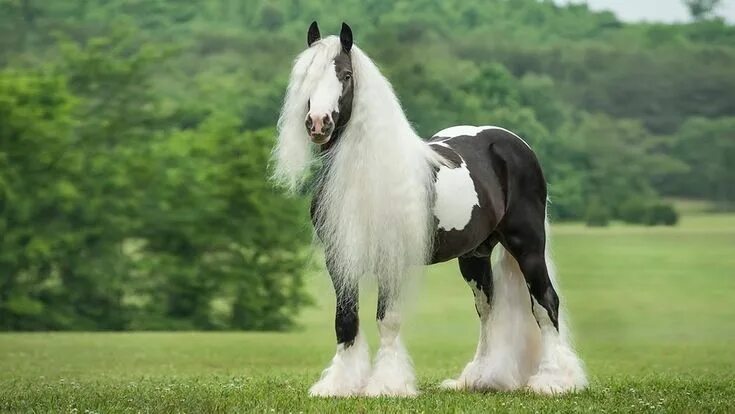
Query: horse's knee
(477,272)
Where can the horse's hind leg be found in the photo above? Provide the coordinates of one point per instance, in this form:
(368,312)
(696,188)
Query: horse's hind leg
(392,373)
(507,331)
(559,370)
(349,369)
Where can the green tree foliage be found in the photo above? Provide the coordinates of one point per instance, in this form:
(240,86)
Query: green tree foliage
(112,217)
(702,9)
(620,160)
(40,203)
(707,146)
(649,212)
(135,138)
(597,214)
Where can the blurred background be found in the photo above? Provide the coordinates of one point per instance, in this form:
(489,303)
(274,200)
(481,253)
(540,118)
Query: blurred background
(135,137)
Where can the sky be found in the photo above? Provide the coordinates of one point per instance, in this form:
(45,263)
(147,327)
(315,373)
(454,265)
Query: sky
(653,10)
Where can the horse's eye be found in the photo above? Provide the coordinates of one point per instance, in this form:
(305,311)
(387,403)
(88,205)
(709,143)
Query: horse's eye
(348,76)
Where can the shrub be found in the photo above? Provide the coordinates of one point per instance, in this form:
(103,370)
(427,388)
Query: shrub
(634,210)
(648,212)
(597,214)
(661,214)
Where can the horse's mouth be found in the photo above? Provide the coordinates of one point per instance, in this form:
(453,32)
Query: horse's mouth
(320,139)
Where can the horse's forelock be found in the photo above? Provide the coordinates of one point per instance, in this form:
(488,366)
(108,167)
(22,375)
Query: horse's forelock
(293,153)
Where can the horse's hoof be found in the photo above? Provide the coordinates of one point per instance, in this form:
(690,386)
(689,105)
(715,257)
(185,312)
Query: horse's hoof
(451,384)
(391,383)
(550,384)
(374,389)
(326,389)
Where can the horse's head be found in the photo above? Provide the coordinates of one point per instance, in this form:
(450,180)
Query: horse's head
(330,104)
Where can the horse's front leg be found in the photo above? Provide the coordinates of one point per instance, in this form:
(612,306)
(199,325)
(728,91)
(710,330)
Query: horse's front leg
(350,367)
(393,371)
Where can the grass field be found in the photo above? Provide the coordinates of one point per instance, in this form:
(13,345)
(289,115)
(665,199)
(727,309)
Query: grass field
(653,312)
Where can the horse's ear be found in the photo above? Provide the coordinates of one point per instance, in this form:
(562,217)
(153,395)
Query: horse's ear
(345,37)
(313,34)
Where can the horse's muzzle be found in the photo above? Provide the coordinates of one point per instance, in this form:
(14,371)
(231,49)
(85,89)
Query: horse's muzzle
(320,127)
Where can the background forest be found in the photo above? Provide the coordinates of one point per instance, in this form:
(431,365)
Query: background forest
(135,137)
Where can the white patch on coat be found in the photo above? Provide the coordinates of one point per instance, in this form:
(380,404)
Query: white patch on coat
(325,98)
(347,374)
(393,371)
(470,130)
(481,301)
(440,144)
(455,197)
(461,130)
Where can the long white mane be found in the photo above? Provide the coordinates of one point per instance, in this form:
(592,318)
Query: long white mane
(374,215)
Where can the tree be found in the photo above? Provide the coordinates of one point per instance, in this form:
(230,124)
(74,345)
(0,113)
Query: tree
(707,146)
(702,9)
(135,135)
(114,218)
(619,158)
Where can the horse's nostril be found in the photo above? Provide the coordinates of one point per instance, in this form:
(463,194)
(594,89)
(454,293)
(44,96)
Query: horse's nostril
(326,120)
(309,122)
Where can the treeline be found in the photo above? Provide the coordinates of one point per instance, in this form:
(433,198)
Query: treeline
(135,137)
(114,215)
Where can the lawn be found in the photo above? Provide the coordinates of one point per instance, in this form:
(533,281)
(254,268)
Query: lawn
(653,312)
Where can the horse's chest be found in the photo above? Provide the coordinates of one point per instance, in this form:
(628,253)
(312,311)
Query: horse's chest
(455,197)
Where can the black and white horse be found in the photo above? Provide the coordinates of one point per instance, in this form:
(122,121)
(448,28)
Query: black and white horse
(387,202)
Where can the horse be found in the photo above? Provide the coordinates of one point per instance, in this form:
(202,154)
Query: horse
(386,203)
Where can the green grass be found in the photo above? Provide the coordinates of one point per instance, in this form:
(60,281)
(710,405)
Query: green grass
(652,309)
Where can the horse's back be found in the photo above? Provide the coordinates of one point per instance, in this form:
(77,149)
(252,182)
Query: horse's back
(502,150)
(465,139)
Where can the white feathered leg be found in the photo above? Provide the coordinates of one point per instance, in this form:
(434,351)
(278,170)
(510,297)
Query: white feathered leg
(508,348)
(560,369)
(347,374)
(393,371)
